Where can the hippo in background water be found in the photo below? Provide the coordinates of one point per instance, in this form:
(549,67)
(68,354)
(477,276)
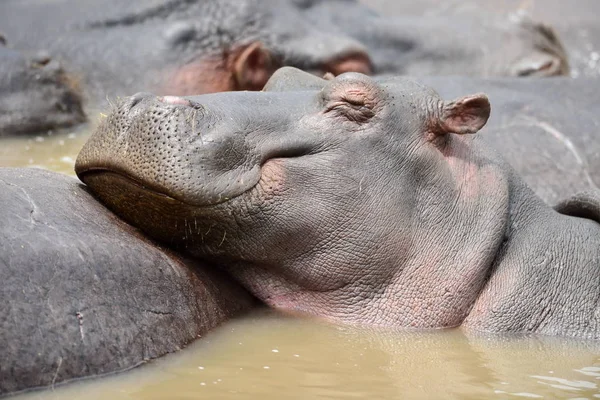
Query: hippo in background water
(575,21)
(35,93)
(84,294)
(472,45)
(360,202)
(178,46)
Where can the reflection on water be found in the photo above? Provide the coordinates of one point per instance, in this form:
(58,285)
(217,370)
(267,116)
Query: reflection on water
(266,356)
(53,150)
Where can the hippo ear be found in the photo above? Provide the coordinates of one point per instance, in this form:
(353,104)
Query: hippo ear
(253,67)
(465,115)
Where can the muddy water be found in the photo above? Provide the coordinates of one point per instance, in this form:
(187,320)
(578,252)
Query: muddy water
(265,356)
(53,150)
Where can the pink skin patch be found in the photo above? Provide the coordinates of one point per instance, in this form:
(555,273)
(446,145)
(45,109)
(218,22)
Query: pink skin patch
(175,100)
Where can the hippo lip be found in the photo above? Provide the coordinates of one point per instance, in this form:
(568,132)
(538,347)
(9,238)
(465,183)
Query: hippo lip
(134,181)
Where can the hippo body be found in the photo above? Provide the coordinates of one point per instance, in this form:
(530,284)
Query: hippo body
(36,94)
(365,202)
(84,294)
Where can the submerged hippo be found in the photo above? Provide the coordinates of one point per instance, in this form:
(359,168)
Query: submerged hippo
(363,202)
(35,94)
(84,294)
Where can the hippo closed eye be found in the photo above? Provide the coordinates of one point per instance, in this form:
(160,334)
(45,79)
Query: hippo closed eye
(360,201)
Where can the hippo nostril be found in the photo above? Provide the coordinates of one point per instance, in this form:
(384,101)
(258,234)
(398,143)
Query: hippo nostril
(353,62)
(175,100)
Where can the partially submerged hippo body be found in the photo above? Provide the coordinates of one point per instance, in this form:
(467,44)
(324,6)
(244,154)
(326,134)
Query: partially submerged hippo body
(363,202)
(35,94)
(84,294)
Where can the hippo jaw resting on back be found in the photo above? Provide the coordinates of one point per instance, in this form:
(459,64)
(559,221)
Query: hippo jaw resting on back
(360,202)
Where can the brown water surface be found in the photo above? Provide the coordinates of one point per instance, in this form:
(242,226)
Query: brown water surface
(53,150)
(266,356)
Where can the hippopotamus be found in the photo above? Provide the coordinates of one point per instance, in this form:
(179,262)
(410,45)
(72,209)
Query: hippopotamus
(178,47)
(358,201)
(472,45)
(36,93)
(84,294)
(575,22)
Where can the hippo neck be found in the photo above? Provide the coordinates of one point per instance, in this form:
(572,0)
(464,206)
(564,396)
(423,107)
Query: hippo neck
(546,276)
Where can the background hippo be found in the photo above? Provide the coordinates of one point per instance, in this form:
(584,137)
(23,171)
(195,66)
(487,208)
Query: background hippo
(475,44)
(84,294)
(363,202)
(175,46)
(35,93)
(575,21)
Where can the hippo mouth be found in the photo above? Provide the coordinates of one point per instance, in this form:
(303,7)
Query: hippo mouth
(179,150)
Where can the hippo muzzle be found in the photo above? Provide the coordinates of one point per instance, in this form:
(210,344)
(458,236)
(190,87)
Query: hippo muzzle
(200,150)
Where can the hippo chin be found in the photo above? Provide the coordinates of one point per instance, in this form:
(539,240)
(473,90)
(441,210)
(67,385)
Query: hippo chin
(358,201)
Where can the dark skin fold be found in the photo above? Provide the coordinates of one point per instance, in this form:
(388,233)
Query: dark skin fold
(365,202)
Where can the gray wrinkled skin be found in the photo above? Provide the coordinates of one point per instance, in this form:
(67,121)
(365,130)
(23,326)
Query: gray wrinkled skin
(35,94)
(355,203)
(84,294)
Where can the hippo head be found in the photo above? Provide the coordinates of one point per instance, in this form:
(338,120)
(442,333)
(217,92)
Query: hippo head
(229,45)
(36,94)
(348,198)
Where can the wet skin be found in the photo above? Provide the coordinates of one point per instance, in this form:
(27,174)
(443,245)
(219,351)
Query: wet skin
(358,201)
(84,294)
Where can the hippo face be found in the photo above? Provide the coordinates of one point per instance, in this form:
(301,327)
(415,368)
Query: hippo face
(36,94)
(223,45)
(304,194)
